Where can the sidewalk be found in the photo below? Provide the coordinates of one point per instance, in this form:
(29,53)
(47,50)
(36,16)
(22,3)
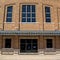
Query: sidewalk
(29,57)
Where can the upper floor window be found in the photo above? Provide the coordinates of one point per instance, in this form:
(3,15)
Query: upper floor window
(28,13)
(9,14)
(47,14)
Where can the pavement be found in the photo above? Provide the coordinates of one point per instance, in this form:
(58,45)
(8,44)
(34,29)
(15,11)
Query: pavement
(30,57)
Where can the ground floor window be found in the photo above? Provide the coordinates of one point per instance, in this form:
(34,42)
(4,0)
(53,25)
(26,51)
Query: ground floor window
(28,45)
(49,43)
(7,43)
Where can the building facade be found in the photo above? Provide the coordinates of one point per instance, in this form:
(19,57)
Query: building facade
(29,27)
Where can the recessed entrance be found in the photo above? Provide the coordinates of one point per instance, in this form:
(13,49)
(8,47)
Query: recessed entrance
(28,45)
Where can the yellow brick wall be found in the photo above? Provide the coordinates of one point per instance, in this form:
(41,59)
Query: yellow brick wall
(40,15)
(57,42)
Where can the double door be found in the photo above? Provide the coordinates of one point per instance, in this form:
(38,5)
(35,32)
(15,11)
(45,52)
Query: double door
(28,45)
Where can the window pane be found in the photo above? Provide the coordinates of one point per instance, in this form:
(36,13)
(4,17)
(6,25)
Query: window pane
(9,9)
(23,8)
(28,41)
(8,43)
(47,9)
(22,41)
(33,20)
(8,19)
(28,11)
(28,14)
(23,14)
(34,41)
(22,46)
(28,8)
(47,15)
(33,8)
(28,46)
(9,14)
(34,46)
(33,14)
(28,19)
(48,20)
(49,43)
(23,19)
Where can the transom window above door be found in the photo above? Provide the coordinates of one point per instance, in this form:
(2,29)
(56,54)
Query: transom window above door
(28,13)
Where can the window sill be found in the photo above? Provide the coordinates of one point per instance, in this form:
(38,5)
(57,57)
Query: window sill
(29,22)
(9,22)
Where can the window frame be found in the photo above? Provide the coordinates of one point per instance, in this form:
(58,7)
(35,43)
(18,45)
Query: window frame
(49,13)
(6,6)
(28,13)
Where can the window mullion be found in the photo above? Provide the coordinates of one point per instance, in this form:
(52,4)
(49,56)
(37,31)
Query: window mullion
(31,12)
(26,13)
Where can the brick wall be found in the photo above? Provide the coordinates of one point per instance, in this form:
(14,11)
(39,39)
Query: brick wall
(40,15)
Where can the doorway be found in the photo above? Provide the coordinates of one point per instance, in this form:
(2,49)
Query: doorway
(28,45)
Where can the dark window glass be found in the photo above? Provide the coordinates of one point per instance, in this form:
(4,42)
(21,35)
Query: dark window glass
(47,14)
(23,8)
(33,8)
(9,9)
(9,14)
(28,19)
(28,41)
(28,8)
(47,9)
(28,11)
(8,43)
(48,20)
(22,48)
(28,45)
(34,47)
(34,41)
(23,41)
(49,43)
(9,19)
(23,19)
(28,14)
(33,20)
(33,14)
(23,14)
